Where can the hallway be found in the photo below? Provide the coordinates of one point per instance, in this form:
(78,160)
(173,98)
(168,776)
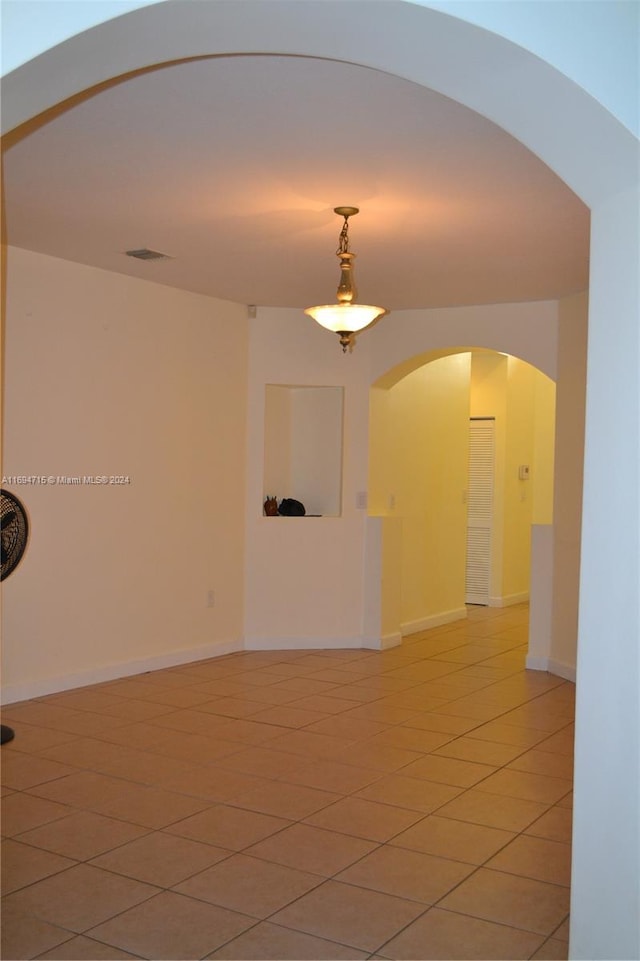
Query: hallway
(407,804)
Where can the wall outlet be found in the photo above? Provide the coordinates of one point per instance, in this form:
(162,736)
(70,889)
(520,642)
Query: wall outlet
(211,598)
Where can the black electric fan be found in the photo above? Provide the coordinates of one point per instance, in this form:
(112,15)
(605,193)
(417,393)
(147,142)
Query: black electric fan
(14,533)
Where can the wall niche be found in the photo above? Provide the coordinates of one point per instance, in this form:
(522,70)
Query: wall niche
(303,446)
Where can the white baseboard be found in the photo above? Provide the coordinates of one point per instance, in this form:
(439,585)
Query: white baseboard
(549,664)
(388,641)
(257,643)
(112,672)
(433,620)
(509,599)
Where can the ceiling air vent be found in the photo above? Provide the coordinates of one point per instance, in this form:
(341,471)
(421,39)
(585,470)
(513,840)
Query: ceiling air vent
(145,254)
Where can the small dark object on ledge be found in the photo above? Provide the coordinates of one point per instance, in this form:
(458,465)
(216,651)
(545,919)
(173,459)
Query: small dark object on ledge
(6,734)
(291,508)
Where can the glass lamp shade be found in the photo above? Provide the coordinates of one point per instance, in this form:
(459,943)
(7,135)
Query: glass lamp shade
(345,318)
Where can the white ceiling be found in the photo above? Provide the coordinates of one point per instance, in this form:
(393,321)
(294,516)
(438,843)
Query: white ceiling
(233,165)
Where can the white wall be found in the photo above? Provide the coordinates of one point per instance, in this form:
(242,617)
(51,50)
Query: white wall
(318,584)
(304,575)
(569,459)
(108,375)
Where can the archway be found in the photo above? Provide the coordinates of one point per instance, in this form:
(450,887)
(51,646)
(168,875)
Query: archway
(597,157)
(419,448)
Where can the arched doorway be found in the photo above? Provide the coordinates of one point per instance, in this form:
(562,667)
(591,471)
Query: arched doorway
(597,157)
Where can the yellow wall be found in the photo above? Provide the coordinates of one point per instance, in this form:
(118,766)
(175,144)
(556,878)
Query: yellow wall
(418,472)
(522,401)
(418,458)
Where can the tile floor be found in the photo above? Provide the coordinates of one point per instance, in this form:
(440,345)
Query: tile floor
(407,804)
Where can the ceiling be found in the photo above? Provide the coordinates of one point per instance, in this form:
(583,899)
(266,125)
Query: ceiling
(232,166)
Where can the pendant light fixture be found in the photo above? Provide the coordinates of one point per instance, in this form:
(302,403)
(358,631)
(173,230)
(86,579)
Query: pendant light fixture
(346,317)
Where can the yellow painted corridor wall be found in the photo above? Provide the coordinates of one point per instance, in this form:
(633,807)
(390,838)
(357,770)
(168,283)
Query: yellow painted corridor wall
(418,476)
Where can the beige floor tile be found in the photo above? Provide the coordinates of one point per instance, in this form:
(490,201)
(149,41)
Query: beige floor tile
(443,837)
(269,695)
(304,685)
(23,865)
(409,792)
(178,696)
(248,732)
(115,760)
(307,744)
(165,742)
(312,849)
(521,902)
(196,722)
(161,859)
(470,707)
(293,801)
(544,762)
(79,898)
(535,858)
(484,752)
(81,948)
(211,783)
(22,771)
(123,800)
(552,950)
(555,824)
(566,801)
(228,827)
(412,739)
(337,677)
(442,723)
(232,707)
(82,835)
(21,811)
(288,716)
(346,727)
(406,874)
(353,916)
(443,934)
(536,716)
(330,776)
(530,787)
(171,926)
(560,743)
(31,740)
(418,731)
(493,810)
(379,757)
(270,942)
(377,710)
(100,702)
(249,885)
(508,734)
(447,770)
(48,715)
(263,762)
(364,819)
(27,937)
(324,703)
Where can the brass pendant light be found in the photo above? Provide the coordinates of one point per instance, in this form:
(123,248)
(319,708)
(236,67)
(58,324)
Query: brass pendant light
(346,317)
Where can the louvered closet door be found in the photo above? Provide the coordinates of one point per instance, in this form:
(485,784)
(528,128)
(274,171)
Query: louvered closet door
(480,510)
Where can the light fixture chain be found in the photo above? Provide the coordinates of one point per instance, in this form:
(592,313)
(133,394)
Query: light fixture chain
(343,242)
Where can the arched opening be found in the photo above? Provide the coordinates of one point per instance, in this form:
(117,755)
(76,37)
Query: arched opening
(420,475)
(598,158)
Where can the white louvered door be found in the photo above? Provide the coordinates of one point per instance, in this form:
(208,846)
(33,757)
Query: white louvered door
(480,510)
